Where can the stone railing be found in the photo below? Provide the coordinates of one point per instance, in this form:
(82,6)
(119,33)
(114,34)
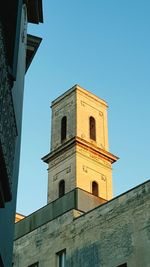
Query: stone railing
(8,129)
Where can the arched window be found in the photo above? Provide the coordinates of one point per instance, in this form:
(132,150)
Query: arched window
(95,189)
(61,188)
(63,128)
(92,129)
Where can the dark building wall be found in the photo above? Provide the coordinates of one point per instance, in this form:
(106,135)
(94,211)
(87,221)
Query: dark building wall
(7,213)
(16,56)
(10,17)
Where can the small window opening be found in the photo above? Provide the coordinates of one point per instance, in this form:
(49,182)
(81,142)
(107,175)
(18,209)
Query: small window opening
(36,264)
(95,189)
(122,265)
(63,128)
(61,188)
(61,258)
(92,129)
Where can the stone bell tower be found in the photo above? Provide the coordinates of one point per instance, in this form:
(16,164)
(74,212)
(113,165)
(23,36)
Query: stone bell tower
(79,156)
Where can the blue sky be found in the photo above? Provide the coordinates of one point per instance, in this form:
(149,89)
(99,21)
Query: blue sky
(103,45)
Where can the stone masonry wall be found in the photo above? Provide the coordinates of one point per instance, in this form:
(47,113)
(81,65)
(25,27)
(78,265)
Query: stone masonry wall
(8,130)
(112,234)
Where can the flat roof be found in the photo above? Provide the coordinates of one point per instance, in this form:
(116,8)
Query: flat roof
(82,90)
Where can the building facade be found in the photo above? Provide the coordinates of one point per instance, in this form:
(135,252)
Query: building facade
(82,225)
(15,57)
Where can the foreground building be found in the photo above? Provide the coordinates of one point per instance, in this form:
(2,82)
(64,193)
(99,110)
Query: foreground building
(82,226)
(17,50)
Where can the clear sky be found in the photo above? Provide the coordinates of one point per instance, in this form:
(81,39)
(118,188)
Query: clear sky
(104,46)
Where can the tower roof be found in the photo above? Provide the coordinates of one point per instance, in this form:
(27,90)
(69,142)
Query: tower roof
(78,88)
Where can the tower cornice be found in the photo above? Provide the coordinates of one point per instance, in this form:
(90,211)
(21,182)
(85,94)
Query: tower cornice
(80,89)
(77,141)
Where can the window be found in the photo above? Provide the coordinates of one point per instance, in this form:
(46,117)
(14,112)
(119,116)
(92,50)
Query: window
(61,188)
(63,128)
(61,258)
(92,129)
(95,189)
(122,265)
(36,264)
(1,262)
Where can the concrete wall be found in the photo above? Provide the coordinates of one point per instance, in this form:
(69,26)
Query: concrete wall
(110,235)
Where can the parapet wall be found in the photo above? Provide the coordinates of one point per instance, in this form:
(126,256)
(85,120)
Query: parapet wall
(112,234)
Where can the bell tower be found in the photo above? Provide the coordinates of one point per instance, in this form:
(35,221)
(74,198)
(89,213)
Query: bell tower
(79,156)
